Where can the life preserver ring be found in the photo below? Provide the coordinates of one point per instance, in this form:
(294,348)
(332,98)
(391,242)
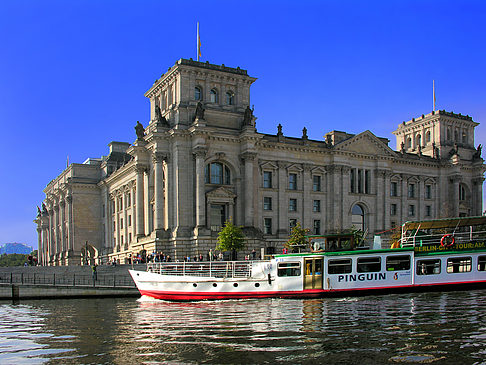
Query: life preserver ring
(444,239)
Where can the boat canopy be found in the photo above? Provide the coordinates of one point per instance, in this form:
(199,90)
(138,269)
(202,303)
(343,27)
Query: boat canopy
(444,223)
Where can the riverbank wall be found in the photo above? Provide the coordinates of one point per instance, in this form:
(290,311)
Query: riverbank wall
(40,282)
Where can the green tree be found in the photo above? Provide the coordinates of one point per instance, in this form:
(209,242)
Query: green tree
(297,239)
(13,259)
(231,238)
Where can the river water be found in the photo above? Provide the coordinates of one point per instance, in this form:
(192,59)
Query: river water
(442,328)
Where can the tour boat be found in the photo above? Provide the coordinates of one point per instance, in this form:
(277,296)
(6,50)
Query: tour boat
(427,255)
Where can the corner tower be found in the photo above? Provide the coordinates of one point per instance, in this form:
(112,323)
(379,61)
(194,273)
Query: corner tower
(223,93)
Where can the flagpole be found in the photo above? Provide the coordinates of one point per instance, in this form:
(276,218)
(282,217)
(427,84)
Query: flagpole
(198,41)
(433,92)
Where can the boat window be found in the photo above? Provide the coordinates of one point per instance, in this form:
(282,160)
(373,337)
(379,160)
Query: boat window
(394,263)
(481,263)
(459,264)
(288,269)
(369,264)
(341,266)
(428,267)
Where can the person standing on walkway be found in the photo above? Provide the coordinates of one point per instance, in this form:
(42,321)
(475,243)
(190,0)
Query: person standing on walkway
(95,273)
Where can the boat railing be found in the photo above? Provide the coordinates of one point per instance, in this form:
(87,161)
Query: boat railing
(410,239)
(218,269)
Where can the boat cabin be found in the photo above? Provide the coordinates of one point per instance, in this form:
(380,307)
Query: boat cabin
(332,242)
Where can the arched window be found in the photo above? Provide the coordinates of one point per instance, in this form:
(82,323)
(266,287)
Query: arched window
(217,173)
(409,142)
(213,96)
(419,140)
(230,98)
(456,136)
(427,137)
(448,134)
(462,192)
(197,93)
(464,137)
(357,217)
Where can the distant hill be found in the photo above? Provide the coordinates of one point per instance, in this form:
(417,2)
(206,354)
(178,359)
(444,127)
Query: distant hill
(15,247)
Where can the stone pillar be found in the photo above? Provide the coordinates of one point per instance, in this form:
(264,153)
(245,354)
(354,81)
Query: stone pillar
(307,203)
(345,189)
(166,194)
(386,199)
(403,199)
(476,194)
(248,158)
(70,236)
(454,208)
(139,218)
(147,209)
(337,200)
(282,208)
(200,154)
(158,159)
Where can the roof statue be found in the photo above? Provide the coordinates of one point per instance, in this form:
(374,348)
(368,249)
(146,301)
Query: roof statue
(477,154)
(139,130)
(248,116)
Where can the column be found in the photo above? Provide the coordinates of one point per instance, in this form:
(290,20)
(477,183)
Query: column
(454,209)
(307,207)
(166,194)
(147,209)
(158,159)
(139,219)
(403,199)
(248,157)
(282,208)
(62,233)
(200,154)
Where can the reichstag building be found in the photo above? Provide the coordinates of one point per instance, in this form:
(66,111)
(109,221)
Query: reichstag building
(200,161)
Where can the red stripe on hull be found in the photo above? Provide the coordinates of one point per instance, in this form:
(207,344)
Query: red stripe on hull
(314,293)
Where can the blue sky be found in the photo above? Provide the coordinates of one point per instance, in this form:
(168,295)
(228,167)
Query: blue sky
(73,73)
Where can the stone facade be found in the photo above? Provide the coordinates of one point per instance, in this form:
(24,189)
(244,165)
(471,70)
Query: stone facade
(200,161)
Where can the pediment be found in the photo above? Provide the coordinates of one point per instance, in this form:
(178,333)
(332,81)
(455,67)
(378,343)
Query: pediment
(365,143)
(221,193)
(268,166)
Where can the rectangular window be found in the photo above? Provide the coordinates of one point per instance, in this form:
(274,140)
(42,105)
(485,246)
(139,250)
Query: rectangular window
(267,179)
(267,225)
(317,206)
(367,182)
(129,200)
(394,189)
(129,221)
(411,210)
(292,205)
(316,183)
(121,240)
(288,269)
(120,203)
(393,209)
(317,226)
(360,181)
(293,181)
(411,190)
(459,264)
(103,211)
(267,203)
(428,191)
(121,223)
(396,263)
(114,225)
(481,263)
(428,210)
(369,264)
(129,237)
(428,267)
(352,177)
(292,224)
(340,266)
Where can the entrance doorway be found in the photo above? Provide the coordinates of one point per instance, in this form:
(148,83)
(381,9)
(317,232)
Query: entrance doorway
(313,273)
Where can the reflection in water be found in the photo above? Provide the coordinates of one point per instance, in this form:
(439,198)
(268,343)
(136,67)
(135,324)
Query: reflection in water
(409,328)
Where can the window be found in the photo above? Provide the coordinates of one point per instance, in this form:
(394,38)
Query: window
(317,206)
(292,223)
(481,263)
(393,209)
(288,269)
(448,134)
(213,96)
(428,267)
(411,190)
(396,263)
(419,140)
(369,264)
(409,142)
(230,98)
(367,182)
(267,225)
(411,210)
(357,217)
(129,237)
(427,137)
(129,221)
(114,225)
(464,137)
(428,210)
(316,183)
(352,177)
(317,226)
(428,191)
(217,173)
(340,266)
(292,205)
(103,211)
(128,200)
(197,93)
(360,181)
(267,179)
(459,264)
(293,181)
(462,193)
(121,223)
(394,189)
(267,203)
